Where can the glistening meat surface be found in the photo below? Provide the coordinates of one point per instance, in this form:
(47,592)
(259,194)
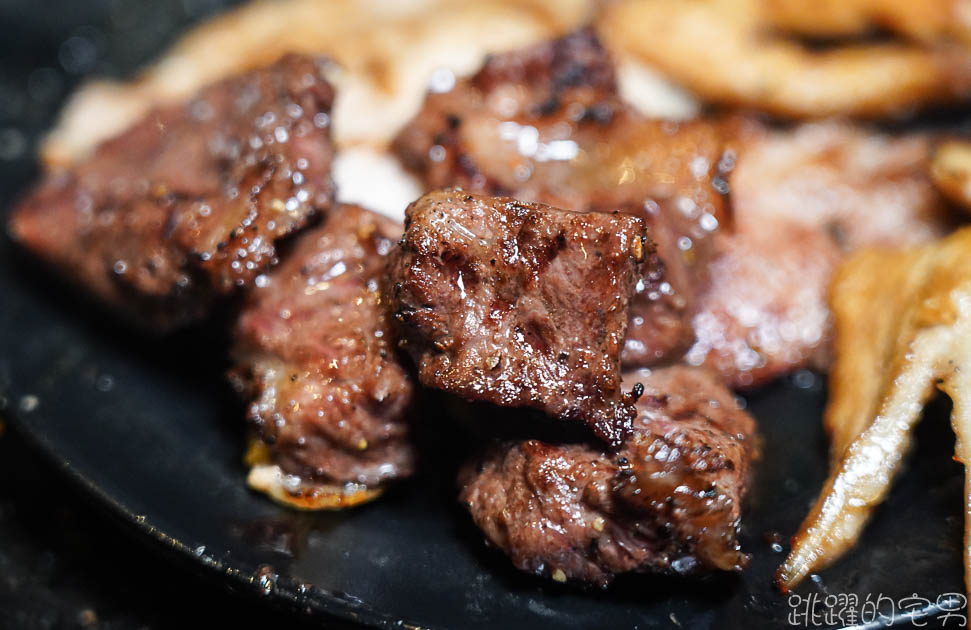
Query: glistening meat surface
(188,204)
(520,304)
(749,222)
(802,200)
(668,501)
(314,354)
(546,124)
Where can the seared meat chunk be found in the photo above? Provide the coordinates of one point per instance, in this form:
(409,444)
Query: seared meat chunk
(188,204)
(520,304)
(802,199)
(669,501)
(744,282)
(313,350)
(546,124)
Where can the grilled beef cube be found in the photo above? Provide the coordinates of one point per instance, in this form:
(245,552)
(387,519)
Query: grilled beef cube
(188,204)
(520,304)
(546,124)
(669,501)
(314,353)
(744,282)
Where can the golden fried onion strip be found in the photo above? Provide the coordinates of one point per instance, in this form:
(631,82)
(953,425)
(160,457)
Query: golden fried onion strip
(266,477)
(923,20)
(950,168)
(922,336)
(866,339)
(728,52)
(958,387)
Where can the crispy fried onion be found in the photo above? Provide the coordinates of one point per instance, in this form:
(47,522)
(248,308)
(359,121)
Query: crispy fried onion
(903,325)
(743,53)
(950,168)
(291,491)
(926,21)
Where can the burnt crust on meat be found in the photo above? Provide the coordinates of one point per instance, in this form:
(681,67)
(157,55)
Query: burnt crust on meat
(519,304)
(314,354)
(546,124)
(669,501)
(536,85)
(750,222)
(188,204)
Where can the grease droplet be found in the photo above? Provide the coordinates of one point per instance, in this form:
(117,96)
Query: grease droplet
(28,403)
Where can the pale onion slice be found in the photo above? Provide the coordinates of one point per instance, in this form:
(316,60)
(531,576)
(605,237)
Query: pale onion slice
(387,54)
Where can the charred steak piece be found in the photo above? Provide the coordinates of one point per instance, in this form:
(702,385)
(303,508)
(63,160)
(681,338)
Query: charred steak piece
(546,124)
(314,353)
(188,204)
(744,282)
(669,501)
(520,304)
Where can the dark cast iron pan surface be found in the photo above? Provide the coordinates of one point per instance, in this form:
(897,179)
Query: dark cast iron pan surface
(149,428)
